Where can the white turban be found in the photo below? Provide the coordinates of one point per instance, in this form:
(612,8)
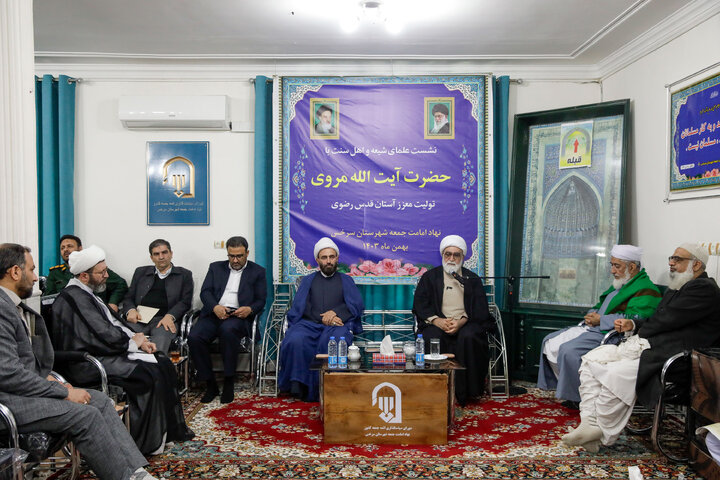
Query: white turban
(697,251)
(85,259)
(324,243)
(453,241)
(629,253)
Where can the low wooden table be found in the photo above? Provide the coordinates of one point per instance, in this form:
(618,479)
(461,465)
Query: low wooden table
(387,404)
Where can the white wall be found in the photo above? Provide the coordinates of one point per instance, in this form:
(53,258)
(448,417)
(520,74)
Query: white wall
(657,226)
(110,178)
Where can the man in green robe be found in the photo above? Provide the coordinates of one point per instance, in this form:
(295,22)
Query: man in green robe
(632,295)
(60,275)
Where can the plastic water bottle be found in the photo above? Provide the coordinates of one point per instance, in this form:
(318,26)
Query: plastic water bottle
(332,353)
(342,353)
(420,351)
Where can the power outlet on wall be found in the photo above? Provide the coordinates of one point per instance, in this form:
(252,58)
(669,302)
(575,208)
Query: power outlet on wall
(219,244)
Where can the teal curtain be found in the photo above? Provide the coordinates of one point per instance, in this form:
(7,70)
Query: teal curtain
(55,117)
(264,182)
(501,185)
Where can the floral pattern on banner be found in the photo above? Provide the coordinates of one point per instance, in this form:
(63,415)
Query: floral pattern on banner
(386,267)
(298,180)
(468,180)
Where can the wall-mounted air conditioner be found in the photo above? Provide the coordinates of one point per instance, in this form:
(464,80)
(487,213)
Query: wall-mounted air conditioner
(181,112)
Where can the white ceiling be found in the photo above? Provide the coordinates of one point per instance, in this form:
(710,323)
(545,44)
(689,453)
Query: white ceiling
(557,32)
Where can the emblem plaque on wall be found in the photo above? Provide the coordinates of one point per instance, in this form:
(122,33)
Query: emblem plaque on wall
(177,183)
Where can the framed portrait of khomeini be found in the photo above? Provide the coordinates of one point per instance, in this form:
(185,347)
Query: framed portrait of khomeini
(439,118)
(324,118)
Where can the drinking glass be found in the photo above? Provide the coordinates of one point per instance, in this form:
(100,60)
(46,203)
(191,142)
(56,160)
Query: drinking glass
(434,347)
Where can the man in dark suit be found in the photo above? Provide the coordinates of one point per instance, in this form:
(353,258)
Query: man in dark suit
(233,294)
(41,404)
(613,377)
(450,304)
(164,286)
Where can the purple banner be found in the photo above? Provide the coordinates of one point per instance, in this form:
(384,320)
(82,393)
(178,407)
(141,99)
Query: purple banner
(386,167)
(696,136)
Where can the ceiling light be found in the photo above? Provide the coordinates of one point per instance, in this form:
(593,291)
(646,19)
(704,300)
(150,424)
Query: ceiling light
(373,12)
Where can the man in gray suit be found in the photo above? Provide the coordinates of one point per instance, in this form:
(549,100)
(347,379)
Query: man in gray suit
(164,286)
(41,404)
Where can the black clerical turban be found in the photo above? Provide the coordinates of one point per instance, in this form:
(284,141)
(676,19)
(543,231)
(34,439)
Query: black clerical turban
(453,241)
(324,243)
(85,259)
(322,109)
(440,108)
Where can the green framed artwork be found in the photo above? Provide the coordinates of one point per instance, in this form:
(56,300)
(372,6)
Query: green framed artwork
(567,203)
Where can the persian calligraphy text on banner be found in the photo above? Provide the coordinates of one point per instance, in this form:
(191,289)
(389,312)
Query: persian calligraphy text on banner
(386,167)
(695,130)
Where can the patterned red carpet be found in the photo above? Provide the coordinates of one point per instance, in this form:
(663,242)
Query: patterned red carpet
(265,437)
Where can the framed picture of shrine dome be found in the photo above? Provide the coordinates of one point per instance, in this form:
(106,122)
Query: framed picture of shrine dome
(567,203)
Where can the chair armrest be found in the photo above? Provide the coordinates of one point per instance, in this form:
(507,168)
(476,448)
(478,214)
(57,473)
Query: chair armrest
(676,363)
(608,336)
(11,424)
(76,357)
(187,322)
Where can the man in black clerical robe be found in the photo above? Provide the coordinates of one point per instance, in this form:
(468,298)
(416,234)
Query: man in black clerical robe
(327,303)
(83,322)
(450,304)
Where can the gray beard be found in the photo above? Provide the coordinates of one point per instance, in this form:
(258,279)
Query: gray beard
(619,282)
(677,280)
(438,126)
(450,268)
(98,288)
(324,127)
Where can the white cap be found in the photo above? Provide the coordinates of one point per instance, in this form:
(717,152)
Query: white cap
(629,253)
(453,241)
(697,251)
(85,259)
(324,243)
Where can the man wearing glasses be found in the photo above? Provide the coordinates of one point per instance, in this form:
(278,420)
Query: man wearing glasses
(233,293)
(84,323)
(450,304)
(632,294)
(613,377)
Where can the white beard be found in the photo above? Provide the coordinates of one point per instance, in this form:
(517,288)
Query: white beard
(324,127)
(619,282)
(438,126)
(450,267)
(677,279)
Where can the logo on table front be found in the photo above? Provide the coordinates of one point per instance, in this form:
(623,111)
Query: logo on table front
(388,399)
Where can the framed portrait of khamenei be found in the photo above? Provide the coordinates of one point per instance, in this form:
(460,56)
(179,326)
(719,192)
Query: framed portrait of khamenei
(567,202)
(177,183)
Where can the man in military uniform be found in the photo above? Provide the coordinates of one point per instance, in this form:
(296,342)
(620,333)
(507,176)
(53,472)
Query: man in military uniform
(60,275)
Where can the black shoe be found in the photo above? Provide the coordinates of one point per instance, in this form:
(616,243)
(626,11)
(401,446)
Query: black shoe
(571,404)
(210,393)
(187,435)
(228,393)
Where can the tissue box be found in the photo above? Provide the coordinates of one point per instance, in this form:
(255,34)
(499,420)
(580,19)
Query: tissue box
(385,359)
